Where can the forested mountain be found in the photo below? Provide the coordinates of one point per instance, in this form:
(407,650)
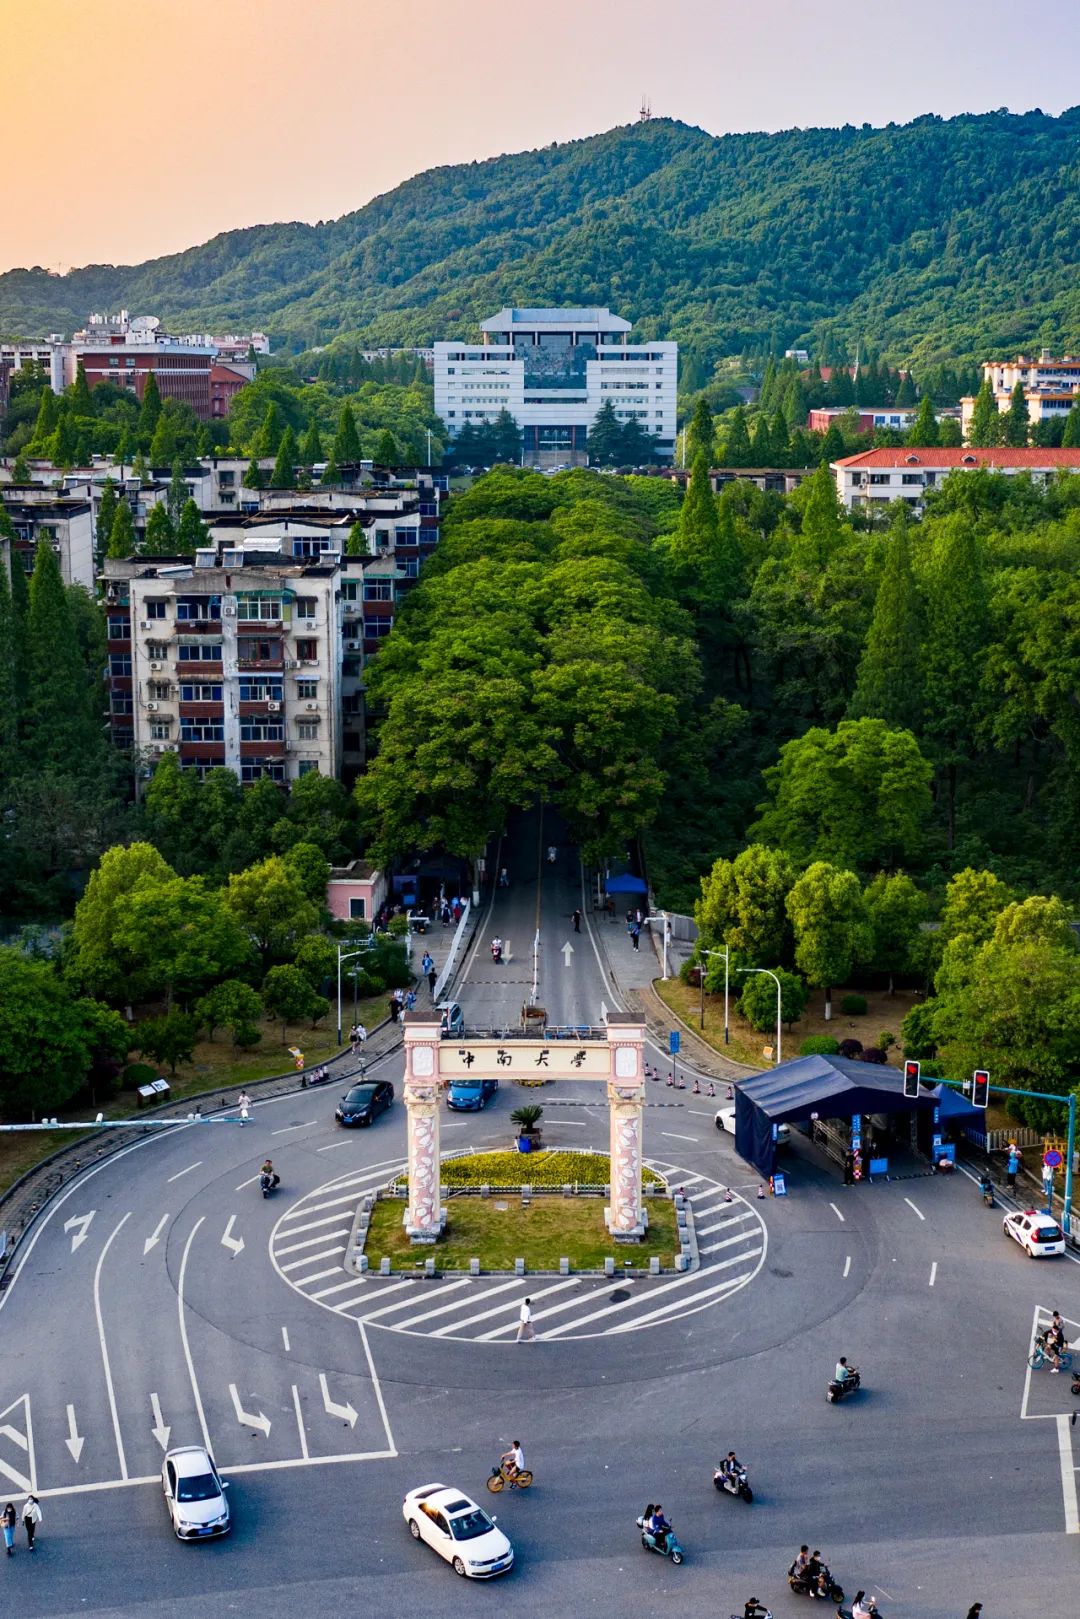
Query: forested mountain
(938,238)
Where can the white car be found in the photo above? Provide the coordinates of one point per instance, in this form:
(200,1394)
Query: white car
(1039,1235)
(459,1530)
(194,1494)
(725,1120)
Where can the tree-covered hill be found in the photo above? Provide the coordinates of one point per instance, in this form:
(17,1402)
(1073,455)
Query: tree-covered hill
(938,238)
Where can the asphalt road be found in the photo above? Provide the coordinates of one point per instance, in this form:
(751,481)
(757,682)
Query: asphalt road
(156,1294)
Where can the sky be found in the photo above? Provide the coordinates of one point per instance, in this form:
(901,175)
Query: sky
(135,128)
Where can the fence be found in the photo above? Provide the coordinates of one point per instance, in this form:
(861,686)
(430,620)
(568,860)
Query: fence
(455,945)
(998,1140)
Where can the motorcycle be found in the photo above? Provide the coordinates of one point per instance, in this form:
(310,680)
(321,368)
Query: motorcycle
(1075,1389)
(496,951)
(986,1187)
(551,854)
(269,1183)
(735,1483)
(669,1547)
(835,1390)
(821,1584)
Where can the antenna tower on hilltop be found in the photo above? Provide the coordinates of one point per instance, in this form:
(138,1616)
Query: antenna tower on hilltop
(644,111)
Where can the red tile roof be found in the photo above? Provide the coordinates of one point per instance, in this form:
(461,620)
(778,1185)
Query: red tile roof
(1003,459)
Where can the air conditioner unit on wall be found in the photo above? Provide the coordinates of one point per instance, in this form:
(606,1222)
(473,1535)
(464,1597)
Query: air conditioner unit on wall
(146,624)
(152,708)
(154,664)
(274,708)
(228,612)
(312,708)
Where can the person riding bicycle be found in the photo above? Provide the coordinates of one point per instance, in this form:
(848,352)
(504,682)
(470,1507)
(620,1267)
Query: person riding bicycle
(270,1172)
(513,1461)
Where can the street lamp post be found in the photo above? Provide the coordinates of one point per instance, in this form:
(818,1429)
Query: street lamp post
(726,953)
(346,955)
(769,974)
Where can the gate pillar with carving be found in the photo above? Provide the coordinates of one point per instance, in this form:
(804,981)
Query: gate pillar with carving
(424,1216)
(627,1217)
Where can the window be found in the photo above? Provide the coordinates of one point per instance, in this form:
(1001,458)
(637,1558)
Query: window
(880,477)
(200,652)
(120,664)
(119,627)
(261,690)
(307,651)
(190,608)
(349,590)
(251,771)
(376,628)
(155,608)
(202,731)
(305,606)
(267,608)
(195,694)
(159,691)
(357,908)
(257,651)
(259,730)
(157,650)
(379,590)
(160,730)
(308,730)
(307,690)
(122,703)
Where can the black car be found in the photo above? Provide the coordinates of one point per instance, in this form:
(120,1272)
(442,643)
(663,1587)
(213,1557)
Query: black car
(361,1103)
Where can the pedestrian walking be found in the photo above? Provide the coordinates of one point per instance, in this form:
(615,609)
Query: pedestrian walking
(427,962)
(31,1517)
(635,936)
(974,1611)
(395,1008)
(244,1104)
(577,921)
(432,979)
(525,1326)
(10,1519)
(1013,1165)
(410,1000)
(849,1169)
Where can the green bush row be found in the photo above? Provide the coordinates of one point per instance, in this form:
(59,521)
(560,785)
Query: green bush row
(531,1169)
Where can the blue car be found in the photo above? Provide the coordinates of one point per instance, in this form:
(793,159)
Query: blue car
(470,1095)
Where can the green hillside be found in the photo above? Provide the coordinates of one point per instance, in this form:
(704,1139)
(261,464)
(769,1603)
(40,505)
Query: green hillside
(931,239)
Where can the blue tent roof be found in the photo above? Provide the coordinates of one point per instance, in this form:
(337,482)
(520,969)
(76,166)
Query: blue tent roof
(626,884)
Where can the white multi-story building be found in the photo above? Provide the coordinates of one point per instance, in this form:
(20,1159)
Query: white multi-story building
(875,478)
(63,517)
(1051,386)
(553,369)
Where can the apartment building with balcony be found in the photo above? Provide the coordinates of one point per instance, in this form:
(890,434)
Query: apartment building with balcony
(1051,386)
(64,518)
(875,478)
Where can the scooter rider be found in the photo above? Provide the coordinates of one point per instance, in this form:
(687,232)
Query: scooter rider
(801,1563)
(659,1527)
(755,1609)
(496,948)
(731,1467)
(269,1173)
(844,1372)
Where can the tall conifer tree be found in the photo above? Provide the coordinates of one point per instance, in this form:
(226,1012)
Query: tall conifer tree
(59,732)
(888,684)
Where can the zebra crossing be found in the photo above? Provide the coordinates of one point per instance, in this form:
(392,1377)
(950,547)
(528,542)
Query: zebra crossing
(309,1245)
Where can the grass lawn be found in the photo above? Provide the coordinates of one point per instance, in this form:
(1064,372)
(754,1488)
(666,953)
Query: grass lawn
(497,1230)
(883,1012)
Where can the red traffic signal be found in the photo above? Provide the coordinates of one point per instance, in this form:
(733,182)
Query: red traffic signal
(911,1079)
(980,1087)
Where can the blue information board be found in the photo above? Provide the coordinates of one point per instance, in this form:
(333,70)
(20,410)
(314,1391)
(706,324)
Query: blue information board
(779,1187)
(674,1038)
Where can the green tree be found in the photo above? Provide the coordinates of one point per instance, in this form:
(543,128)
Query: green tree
(150,411)
(954,649)
(896,909)
(61,731)
(832,445)
(191,532)
(254,477)
(701,433)
(94,965)
(284,473)
(106,516)
(330,476)
(356,545)
(743,906)
(757,1003)
(950,434)
(267,441)
(48,417)
(923,431)
(269,903)
(309,865)
(1071,436)
(81,403)
(821,528)
(20,472)
(122,533)
(176,937)
(985,427)
(311,449)
(170,1039)
(887,686)
(738,451)
(10,652)
(604,443)
(160,537)
(287,994)
(346,449)
(163,446)
(832,933)
(1016,418)
(507,438)
(231,1004)
(316,958)
(46,1038)
(178,492)
(386,450)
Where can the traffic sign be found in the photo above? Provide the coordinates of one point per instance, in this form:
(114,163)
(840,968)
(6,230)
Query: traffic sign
(674,1039)
(1053,1160)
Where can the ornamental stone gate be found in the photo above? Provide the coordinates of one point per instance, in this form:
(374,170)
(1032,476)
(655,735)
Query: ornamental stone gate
(432,1061)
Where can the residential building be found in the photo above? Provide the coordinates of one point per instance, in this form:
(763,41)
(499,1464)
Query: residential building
(876,477)
(869,418)
(226,381)
(63,518)
(46,351)
(553,369)
(355,893)
(778,480)
(1050,385)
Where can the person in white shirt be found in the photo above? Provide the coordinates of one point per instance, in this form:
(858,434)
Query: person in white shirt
(525,1326)
(514,1460)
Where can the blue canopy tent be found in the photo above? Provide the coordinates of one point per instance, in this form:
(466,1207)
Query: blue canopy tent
(833,1088)
(626,883)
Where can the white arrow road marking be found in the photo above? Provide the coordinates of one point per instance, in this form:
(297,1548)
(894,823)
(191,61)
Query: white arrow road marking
(74,1441)
(80,1224)
(567,952)
(347,1413)
(155,1236)
(161,1429)
(260,1421)
(228,1240)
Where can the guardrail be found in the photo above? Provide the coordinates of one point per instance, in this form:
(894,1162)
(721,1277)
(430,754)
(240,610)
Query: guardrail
(455,945)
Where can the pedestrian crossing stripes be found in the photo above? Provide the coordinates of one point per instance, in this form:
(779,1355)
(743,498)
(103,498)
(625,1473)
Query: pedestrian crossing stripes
(732,1243)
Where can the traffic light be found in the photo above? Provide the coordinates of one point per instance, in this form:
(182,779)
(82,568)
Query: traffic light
(911,1079)
(980,1087)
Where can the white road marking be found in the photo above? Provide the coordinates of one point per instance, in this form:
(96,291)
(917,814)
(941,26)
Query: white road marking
(708,1292)
(105,1348)
(452,1287)
(847,1266)
(454,1124)
(161,1429)
(333,1145)
(289,1128)
(837,1212)
(74,1440)
(312,1242)
(395,1287)
(285,1340)
(700,1112)
(506,1304)
(186,1171)
(317,1208)
(81,1223)
(184,1337)
(1068,1475)
(613,1309)
(314,1225)
(25,1442)
(673,1137)
(933,1273)
(740,1236)
(259,1420)
(155,1235)
(721,1225)
(356,1283)
(236,1244)
(911,1205)
(377,1386)
(244,1184)
(347,1413)
(300,1423)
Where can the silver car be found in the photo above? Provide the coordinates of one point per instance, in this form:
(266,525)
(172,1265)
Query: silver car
(194,1494)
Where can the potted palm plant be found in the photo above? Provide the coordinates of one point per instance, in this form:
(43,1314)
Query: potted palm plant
(527,1120)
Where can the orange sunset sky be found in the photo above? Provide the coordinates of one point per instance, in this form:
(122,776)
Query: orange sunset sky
(137,127)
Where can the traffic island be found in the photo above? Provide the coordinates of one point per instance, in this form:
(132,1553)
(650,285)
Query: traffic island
(546,1209)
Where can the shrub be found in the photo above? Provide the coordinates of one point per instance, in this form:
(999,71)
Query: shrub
(690,972)
(246,1035)
(136,1074)
(819,1045)
(873,1054)
(917,1031)
(532,1169)
(886,1039)
(757,1003)
(527,1117)
(387,959)
(398,927)
(851,1048)
(853,1005)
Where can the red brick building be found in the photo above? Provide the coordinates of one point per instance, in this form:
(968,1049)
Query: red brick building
(182,372)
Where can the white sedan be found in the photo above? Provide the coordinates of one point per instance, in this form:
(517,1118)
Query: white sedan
(459,1530)
(725,1120)
(194,1494)
(1038,1234)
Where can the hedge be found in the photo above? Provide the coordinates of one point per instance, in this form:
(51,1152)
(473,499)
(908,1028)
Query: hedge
(531,1169)
(819,1045)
